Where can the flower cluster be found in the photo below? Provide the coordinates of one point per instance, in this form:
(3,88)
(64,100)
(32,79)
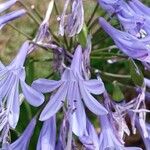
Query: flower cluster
(75,96)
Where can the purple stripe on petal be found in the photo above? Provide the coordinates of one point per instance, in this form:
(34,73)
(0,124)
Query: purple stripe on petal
(34,97)
(55,103)
(92,104)
(79,116)
(45,86)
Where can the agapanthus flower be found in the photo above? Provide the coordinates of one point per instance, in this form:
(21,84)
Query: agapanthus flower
(138,5)
(90,141)
(22,143)
(11,78)
(47,137)
(126,42)
(111,6)
(108,139)
(73,88)
(72,23)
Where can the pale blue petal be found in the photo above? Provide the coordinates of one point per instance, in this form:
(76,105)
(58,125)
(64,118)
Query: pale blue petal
(92,104)
(47,137)
(77,60)
(79,116)
(33,97)
(22,143)
(55,103)
(95,86)
(45,85)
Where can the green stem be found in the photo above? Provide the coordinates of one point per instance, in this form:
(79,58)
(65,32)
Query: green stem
(92,16)
(109,48)
(29,13)
(115,75)
(19,31)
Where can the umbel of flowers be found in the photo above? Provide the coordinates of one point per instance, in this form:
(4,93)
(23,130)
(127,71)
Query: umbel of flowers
(75,94)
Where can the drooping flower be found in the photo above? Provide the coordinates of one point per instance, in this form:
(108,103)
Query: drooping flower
(111,6)
(72,23)
(108,139)
(22,143)
(126,42)
(138,5)
(11,77)
(90,141)
(47,137)
(11,16)
(73,88)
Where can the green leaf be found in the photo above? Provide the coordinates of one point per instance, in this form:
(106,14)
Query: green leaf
(117,93)
(82,36)
(136,73)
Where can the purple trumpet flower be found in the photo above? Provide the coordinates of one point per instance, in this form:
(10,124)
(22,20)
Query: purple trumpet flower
(126,42)
(90,141)
(140,7)
(11,16)
(47,137)
(72,23)
(22,143)
(107,138)
(72,87)
(111,6)
(6,5)
(11,77)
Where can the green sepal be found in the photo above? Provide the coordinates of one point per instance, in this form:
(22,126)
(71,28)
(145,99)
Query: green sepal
(117,93)
(136,74)
(82,36)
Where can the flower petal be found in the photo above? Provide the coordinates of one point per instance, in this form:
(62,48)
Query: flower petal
(92,104)
(45,85)
(55,103)
(77,60)
(34,97)
(47,138)
(22,143)
(13,105)
(79,116)
(95,86)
